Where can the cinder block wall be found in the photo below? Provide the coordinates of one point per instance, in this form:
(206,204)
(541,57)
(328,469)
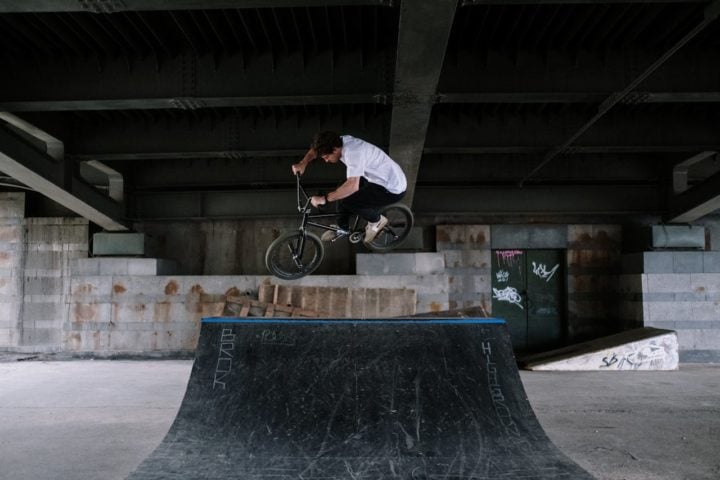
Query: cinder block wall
(678,291)
(120,314)
(51,245)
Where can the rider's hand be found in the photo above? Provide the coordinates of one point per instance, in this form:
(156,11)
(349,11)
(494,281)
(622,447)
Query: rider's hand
(298,168)
(317,200)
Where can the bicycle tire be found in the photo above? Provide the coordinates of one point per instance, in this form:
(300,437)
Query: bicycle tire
(279,255)
(400,222)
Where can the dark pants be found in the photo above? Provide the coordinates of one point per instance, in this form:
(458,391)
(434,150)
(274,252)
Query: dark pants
(366,203)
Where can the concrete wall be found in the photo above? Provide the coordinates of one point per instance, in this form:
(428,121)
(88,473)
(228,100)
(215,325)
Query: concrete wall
(52,297)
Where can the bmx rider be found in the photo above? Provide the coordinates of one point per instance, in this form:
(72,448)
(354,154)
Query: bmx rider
(374,180)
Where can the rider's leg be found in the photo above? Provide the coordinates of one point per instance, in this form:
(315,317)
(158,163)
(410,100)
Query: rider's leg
(366,203)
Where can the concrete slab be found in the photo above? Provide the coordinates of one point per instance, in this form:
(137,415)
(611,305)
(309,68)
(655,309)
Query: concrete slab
(97,420)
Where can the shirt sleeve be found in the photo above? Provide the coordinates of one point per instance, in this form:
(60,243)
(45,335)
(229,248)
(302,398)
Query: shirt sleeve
(355,165)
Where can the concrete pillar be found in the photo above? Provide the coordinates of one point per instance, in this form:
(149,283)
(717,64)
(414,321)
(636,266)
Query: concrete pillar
(12,235)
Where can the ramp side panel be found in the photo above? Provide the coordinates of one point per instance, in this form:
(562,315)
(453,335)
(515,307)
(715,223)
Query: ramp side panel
(356,400)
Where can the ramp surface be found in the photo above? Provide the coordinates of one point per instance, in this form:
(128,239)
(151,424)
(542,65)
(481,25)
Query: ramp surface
(310,399)
(644,348)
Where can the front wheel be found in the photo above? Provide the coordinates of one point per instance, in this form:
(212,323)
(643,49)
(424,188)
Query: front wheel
(294,254)
(400,221)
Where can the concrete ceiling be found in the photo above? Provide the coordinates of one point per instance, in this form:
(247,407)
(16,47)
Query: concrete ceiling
(494,108)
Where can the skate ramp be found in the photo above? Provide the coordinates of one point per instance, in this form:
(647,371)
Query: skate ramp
(638,349)
(344,399)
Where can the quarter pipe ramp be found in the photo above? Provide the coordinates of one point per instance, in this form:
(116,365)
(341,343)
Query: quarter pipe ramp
(289,399)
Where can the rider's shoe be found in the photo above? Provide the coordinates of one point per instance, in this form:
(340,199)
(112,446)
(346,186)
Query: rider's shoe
(372,229)
(332,235)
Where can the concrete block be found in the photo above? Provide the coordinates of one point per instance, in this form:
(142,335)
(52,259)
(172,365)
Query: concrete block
(633,263)
(707,283)
(594,236)
(400,264)
(705,311)
(467,259)
(41,336)
(707,339)
(81,313)
(11,235)
(462,237)
(6,338)
(669,282)
(678,236)
(630,283)
(41,311)
(711,262)
(592,283)
(387,264)
(12,205)
(43,285)
(118,243)
(670,311)
(529,236)
(89,288)
(84,267)
(688,262)
(659,262)
(112,266)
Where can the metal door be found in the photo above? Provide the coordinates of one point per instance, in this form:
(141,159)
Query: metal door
(528,292)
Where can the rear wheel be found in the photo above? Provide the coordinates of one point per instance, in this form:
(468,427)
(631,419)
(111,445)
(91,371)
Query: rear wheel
(400,221)
(293,255)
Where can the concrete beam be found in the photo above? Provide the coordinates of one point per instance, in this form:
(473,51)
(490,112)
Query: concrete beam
(105,6)
(196,103)
(696,202)
(190,103)
(423,36)
(467,3)
(572,97)
(681,170)
(56,179)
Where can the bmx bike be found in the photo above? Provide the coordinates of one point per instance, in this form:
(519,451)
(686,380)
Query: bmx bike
(298,253)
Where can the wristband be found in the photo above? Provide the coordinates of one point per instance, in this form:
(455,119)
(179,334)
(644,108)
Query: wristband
(326,199)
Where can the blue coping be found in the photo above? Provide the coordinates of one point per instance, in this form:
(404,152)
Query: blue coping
(408,321)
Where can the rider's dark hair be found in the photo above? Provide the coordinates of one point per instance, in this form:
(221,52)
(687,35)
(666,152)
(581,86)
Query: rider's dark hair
(325,142)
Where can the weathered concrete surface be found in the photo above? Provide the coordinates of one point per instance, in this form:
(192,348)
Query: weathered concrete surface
(97,420)
(638,349)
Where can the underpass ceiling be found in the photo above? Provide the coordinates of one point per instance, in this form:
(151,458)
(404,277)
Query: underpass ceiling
(193,100)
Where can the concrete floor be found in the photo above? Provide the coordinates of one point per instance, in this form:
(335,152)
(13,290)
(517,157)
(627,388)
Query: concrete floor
(86,419)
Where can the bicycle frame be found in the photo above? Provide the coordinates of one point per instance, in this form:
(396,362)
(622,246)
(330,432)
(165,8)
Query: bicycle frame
(308,219)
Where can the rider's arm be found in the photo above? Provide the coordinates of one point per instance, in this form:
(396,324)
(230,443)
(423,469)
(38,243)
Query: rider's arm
(309,157)
(350,186)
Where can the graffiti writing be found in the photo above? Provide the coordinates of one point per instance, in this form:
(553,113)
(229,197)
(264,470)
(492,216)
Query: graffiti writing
(509,259)
(508,294)
(225,357)
(541,271)
(502,276)
(635,357)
